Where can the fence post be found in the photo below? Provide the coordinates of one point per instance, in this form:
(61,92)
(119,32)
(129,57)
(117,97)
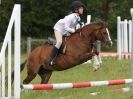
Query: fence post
(88,19)
(29,45)
(118,37)
(126,39)
(132,51)
(130,35)
(17,52)
(99,46)
(0,82)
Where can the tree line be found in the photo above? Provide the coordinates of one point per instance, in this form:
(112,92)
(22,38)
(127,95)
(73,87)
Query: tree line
(39,16)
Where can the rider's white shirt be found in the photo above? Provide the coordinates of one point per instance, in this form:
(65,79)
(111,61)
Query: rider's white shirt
(67,24)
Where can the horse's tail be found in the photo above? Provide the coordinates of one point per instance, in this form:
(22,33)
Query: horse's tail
(12,74)
(23,65)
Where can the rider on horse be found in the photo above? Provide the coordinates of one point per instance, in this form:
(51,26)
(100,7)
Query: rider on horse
(66,26)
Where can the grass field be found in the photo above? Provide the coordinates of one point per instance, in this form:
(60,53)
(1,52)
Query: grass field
(110,69)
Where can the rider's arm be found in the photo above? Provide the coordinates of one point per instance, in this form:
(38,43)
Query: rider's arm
(68,21)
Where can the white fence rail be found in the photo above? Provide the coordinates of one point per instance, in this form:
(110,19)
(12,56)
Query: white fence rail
(124,33)
(14,20)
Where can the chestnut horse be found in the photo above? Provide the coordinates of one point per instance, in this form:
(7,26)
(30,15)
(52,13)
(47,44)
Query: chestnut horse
(78,50)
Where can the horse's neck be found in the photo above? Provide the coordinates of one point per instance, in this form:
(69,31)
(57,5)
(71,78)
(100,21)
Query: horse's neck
(80,42)
(87,35)
(84,35)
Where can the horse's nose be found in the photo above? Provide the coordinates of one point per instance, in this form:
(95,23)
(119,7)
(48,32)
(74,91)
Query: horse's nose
(110,43)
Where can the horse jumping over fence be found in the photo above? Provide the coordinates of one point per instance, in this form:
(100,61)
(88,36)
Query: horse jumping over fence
(79,49)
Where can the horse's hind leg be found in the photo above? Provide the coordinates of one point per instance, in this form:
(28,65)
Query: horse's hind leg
(45,75)
(30,77)
(31,73)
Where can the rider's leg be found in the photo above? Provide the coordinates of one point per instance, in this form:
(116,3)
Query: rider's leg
(58,36)
(56,48)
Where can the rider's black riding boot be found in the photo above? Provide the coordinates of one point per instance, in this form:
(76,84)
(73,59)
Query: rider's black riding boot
(53,56)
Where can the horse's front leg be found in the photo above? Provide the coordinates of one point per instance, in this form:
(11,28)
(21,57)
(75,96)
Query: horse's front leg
(96,63)
(98,56)
(99,59)
(87,56)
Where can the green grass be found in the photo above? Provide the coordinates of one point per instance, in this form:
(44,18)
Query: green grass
(110,69)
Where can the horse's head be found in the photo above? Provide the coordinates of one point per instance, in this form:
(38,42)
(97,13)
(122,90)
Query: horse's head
(102,33)
(96,31)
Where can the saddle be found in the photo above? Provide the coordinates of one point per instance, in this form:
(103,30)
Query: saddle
(52,41)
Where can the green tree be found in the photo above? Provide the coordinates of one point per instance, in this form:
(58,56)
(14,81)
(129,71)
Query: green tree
(39,16)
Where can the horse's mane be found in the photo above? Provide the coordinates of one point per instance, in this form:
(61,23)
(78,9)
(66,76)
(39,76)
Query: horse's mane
(97,23)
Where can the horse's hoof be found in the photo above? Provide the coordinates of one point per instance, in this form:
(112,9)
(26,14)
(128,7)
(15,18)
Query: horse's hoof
(95,68)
